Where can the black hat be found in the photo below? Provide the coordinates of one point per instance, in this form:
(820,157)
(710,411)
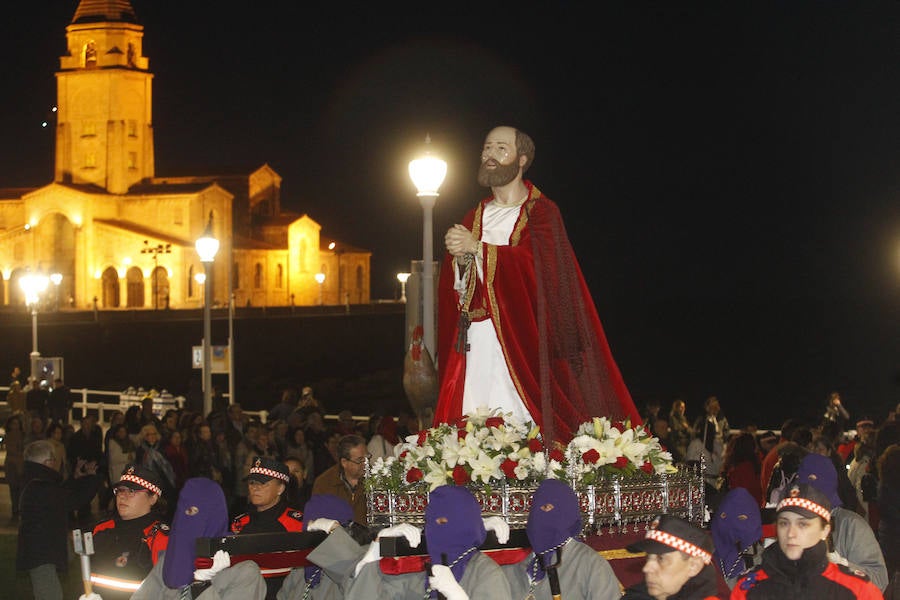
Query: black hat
(668,533)
(138,478)
(265,469)
(806,501)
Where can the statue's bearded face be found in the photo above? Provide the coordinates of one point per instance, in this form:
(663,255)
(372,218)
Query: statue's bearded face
(493,173)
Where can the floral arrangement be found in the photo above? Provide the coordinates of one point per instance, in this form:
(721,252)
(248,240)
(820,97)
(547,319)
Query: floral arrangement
(488,448)
(601,449)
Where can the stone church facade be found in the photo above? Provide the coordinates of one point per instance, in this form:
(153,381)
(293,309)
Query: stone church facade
(123,237)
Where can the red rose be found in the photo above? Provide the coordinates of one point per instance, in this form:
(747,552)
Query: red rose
(403,454)
(461,434)
(647,468)
(557,455)
(590,457)
(508,467)
(494,422)
(414,475)
(460,475)
(461,422)
(535,445)
(423,435)
(621,462)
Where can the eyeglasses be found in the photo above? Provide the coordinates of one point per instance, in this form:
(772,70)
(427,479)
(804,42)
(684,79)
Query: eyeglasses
(126,491)
(360,460)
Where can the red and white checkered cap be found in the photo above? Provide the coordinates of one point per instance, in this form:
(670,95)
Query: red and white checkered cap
(807,501)
(668,533)
(265,469)
(138,478)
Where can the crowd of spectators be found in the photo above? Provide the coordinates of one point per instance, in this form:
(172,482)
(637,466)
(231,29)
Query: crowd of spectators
(178,445)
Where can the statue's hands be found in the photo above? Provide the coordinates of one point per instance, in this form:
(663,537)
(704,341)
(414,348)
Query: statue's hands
(460,241)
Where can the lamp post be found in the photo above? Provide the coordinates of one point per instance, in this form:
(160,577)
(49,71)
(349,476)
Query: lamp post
(402,277)
(427,173)
(206,247)
(33,285)
(56,279)
(320,279)
(156,251)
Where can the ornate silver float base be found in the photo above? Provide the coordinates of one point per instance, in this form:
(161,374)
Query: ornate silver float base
(614,504)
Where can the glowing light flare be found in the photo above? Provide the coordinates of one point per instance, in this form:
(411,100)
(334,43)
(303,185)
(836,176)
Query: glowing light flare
(33,285)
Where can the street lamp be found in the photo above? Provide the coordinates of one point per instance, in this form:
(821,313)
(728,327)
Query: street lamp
(206,247)
(320,279)
(56,279)
(156,251)
(427,173)
(33,285)
(402,277)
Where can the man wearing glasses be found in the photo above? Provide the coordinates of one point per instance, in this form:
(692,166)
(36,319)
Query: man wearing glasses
(345,478)
(128,545)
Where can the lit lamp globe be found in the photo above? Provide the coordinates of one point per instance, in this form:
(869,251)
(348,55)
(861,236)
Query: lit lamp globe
(207,246)
(403,278)
(33,285)
(427,173)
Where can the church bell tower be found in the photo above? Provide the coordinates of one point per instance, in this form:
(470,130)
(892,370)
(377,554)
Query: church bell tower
(104,131)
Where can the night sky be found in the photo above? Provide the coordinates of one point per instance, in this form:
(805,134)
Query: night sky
(729,174)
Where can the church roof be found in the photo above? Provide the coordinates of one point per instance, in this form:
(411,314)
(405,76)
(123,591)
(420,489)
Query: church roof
(281,220)
(240,242)
(15,193)
(145,231)
(179,187)
(104,11)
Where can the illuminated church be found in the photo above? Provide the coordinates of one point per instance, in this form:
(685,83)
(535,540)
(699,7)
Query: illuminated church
(123,237)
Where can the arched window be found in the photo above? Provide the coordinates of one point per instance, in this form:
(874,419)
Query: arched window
(135,286)
(190,281)
(90,54)
(258,276)
(279,276)
(159,287)
(302,255)
(110,280)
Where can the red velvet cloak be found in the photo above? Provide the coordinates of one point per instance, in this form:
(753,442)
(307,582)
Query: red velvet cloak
(546,322)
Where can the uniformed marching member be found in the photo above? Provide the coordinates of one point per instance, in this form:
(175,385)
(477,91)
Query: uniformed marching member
(266,492)
(797,566)
(127,545)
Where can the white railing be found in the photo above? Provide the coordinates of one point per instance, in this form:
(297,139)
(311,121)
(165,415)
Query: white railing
(93,400)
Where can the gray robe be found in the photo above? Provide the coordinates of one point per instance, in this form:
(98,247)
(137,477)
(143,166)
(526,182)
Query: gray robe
(483,580)
(583,574)
(242,581)
(337,555)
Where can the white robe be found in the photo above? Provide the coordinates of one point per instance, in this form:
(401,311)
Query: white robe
(488,382)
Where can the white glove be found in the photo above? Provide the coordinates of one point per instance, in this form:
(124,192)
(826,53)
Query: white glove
(323,524)
(91,596)
(412,533)
(371,555)
(443,581)
(838,559)
(499,527)
(221,560)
